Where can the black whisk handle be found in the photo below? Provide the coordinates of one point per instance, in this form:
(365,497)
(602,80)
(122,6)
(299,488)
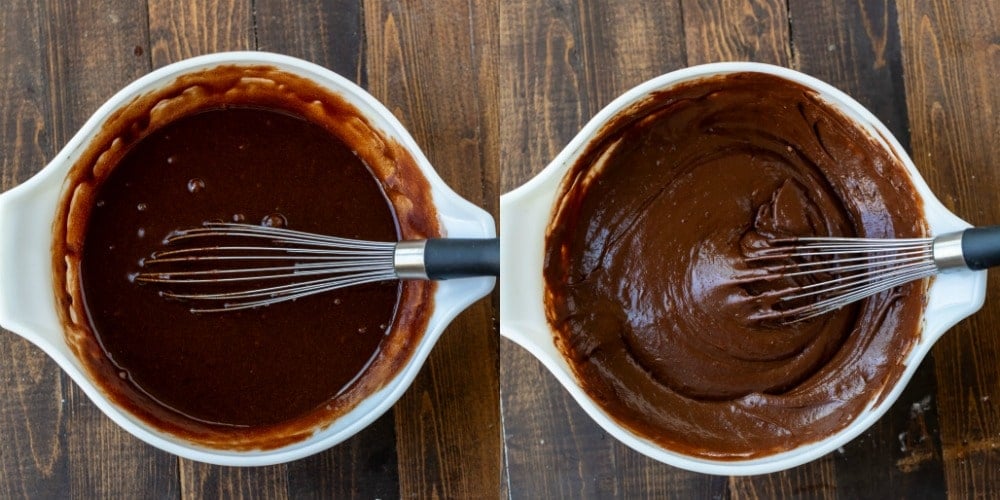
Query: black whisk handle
(981,247)
(447,258)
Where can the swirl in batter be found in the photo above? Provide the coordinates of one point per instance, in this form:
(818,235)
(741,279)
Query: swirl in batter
(655,221)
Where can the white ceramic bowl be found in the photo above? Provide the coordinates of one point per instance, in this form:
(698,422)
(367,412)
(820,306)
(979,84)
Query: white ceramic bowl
(28,306)
(526,211)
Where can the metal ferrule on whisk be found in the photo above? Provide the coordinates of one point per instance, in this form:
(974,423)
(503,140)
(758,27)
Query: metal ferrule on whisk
(948,252)
(408,260)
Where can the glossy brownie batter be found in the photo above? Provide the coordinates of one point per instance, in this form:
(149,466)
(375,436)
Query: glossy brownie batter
(248,152)
(242,368)
(650,237)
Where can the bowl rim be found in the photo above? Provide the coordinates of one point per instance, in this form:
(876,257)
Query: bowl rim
(458,218)
(947,302)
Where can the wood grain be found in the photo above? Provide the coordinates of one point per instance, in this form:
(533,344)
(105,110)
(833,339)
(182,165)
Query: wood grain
(70,59)
(32,418)
(492,91)
(327,32)
(32,421)
(753,30)
(565,60)
(423,64)
(855,47)
(179,29)
(737,30)
(364,466)
(552,449)
(949,55)
(33,455)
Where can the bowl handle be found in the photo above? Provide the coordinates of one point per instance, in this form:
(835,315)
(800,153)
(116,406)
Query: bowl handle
(27,303)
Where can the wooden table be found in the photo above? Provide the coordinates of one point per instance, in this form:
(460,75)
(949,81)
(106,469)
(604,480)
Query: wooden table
(61,60)
(492,91)
(925,68)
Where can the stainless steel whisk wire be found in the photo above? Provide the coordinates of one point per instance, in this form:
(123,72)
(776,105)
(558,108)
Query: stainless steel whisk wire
(305,264)
(851,269)
(837,271)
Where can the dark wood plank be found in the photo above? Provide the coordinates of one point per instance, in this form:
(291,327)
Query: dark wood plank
(903,446)
(365,466)
(484,36)
(639,475)
(565,60)
(426,62)
(67,60)
(33,458)
(950,52)
(736,30)
(32,420)
(855,47)
(753,30)
(330,33)
(813,480)
(180,30)
(199,480)
(327,32)
(551,446)
(95,56)
(26,98)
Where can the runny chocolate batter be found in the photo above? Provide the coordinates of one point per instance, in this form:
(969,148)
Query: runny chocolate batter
(654,224)
(246,144)
(248,165)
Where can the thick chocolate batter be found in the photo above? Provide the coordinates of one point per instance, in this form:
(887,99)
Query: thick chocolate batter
(252,145)
(653,227)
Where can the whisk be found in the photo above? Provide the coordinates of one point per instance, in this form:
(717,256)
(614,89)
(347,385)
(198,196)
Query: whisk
(850,269)
(228,266)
